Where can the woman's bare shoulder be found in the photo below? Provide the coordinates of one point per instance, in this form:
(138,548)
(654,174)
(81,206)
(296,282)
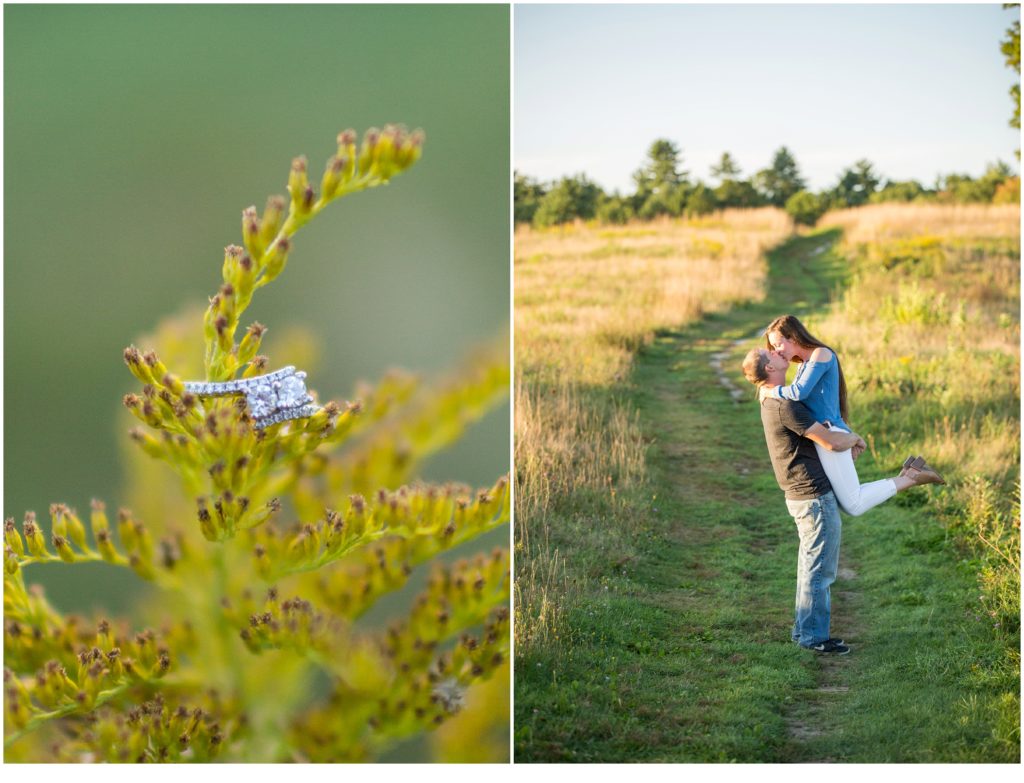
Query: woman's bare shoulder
(821,354)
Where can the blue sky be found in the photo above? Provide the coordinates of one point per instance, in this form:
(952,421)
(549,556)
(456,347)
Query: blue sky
(916,89)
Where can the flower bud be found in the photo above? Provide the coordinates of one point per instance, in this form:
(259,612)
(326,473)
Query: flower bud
(63,549)
(11,563)
(332,177)
(98,517)
(366,151)
(410,150)
(143,542)
(138,368)
(298,181)
(173,383)
(224,334)
(384,152)
(276,258)
(251,343)
(58,519)
(323,420)
(257,366)
(228,304)
(12,537)
(149,444)
(126,529)
(156,367)
(308,199)
(355,517)
(232,256)
(347,144)
(245,277)
(76,530)
(106,547)
(141,566)
(251,234)
(273,214)
(34,537)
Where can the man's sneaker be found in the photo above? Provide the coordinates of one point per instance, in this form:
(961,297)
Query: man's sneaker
(829,647)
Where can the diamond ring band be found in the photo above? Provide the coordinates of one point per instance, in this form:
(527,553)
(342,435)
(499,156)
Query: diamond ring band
(272,398)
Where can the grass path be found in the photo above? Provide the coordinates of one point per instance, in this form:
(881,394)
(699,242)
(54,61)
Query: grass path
(681,652)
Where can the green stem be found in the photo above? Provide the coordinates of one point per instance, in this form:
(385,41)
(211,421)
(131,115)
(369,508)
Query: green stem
(224,635)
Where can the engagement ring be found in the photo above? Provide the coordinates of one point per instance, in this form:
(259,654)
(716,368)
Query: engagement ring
(272,398)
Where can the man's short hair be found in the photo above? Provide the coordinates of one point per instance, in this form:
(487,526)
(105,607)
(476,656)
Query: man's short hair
(755,365)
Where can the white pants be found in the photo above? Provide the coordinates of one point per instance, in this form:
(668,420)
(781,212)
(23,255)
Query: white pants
(854,498)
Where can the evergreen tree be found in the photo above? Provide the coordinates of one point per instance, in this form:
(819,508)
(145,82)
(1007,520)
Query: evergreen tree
(855,186)
(661,184)
(777,183)
(726,168)
(732,191)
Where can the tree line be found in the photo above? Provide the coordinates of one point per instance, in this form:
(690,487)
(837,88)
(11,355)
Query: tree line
(663,187)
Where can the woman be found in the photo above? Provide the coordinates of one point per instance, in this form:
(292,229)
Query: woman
(820,385)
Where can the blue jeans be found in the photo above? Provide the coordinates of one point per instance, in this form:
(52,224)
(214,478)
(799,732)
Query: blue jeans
(820,528)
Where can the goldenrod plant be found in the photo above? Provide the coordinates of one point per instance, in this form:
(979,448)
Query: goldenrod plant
(299,524)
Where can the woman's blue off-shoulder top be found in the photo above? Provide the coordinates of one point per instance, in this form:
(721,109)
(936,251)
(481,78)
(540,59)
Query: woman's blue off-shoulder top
(817,386)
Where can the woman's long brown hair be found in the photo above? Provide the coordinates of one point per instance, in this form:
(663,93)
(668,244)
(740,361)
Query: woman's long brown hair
(789,326)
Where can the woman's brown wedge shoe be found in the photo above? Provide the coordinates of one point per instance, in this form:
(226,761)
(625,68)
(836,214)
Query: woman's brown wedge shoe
(908,463)
(921,473)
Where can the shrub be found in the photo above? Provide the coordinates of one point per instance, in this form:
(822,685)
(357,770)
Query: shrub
(805,208)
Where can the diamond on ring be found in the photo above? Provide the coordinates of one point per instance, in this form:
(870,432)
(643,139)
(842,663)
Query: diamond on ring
(272,398)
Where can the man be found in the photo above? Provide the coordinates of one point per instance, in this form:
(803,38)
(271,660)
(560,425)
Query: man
(789,430)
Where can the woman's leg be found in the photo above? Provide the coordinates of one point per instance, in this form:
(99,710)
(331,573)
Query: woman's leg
(854,498)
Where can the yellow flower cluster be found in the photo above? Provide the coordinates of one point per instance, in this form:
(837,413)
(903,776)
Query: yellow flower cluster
(71,545)
(227,674)
(73,669)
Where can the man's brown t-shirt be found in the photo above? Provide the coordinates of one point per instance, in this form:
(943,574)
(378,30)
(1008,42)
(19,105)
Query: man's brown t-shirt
(797,467)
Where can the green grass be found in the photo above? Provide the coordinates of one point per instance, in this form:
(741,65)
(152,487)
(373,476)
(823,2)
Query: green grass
(677,649)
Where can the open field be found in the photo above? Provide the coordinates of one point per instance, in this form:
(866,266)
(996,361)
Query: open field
(654,553)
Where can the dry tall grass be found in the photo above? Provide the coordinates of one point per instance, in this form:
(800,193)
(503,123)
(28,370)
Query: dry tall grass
(929,335)
(880,222)
(586,298)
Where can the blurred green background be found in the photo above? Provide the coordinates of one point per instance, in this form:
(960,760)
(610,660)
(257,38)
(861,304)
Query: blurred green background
(134,137)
